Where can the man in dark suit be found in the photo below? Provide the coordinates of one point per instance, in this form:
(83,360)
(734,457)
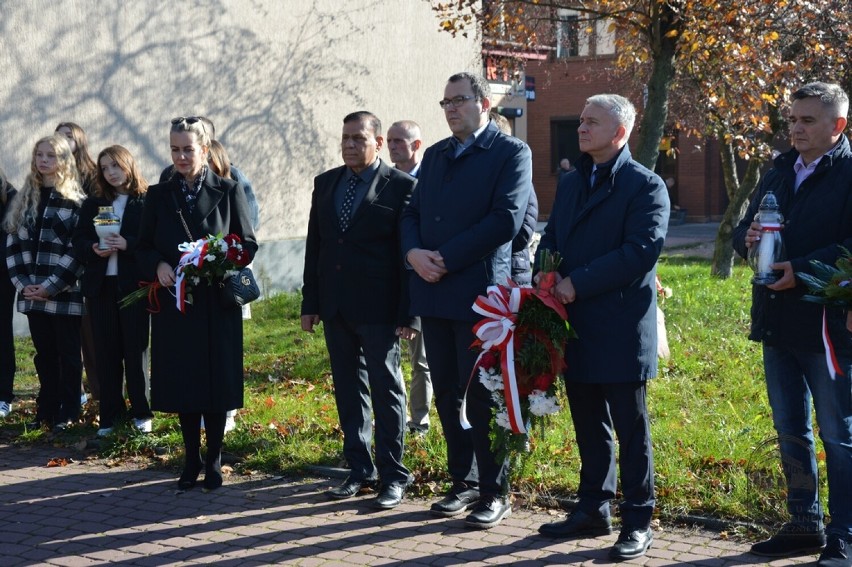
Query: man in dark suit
(354,283)
(472,193)
(608,223)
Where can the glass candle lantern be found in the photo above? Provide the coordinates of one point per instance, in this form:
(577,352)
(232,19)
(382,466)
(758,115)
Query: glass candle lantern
(769,248)
(107,223)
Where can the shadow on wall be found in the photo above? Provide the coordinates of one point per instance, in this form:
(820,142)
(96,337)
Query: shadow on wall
(263,71)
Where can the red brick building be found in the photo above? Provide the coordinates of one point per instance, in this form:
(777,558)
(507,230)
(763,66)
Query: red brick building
(559,80)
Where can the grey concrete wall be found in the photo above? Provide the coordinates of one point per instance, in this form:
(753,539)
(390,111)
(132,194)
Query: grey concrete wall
(276,76)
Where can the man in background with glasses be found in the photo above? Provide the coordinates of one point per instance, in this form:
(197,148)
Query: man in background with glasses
(457,233)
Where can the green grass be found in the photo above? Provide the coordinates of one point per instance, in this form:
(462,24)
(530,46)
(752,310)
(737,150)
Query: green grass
(711,423)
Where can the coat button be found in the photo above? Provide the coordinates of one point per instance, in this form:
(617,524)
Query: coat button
(437,219)
(768,333)
(340,241)
(338,267)
(771,296)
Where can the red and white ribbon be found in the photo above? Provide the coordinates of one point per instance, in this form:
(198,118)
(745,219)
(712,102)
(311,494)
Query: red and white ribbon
(834,368)
(496,331)
(193,254)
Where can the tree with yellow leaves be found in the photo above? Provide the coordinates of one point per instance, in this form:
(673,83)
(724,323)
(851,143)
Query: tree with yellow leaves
(728,66)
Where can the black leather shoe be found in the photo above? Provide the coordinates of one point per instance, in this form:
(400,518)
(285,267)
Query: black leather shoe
(836,553)
(389,497)
(578,524)
(791,539)
(349,488)
(631,543)
(488,512)
(458,499)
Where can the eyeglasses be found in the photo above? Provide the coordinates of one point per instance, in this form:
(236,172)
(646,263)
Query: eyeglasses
(456,101)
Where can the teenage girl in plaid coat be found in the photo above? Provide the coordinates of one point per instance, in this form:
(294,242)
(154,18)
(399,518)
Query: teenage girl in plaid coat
(42,267)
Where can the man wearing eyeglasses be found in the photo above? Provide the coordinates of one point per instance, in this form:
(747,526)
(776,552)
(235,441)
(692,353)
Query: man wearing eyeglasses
(457,236)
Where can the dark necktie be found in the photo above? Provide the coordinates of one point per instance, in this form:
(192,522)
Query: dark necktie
(348,200)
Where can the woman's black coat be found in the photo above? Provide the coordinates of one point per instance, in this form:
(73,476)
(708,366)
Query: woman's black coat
(196,356)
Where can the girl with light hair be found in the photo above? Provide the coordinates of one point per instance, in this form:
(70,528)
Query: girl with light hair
(44,271)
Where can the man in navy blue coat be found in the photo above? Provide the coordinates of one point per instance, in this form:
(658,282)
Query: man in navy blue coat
(608,223)
(457,233)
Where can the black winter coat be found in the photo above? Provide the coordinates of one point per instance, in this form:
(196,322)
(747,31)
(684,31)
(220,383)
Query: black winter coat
(817,220)
(196,356)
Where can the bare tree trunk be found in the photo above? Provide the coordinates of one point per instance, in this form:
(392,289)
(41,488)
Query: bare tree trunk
(656,112)
(738,194)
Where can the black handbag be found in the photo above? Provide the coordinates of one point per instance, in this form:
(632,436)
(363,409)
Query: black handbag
(236,290)
(239,289)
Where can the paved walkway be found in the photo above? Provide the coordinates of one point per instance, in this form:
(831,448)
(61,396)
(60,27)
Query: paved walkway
(87,513)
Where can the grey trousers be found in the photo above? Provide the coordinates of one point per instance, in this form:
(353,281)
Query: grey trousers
(420,393)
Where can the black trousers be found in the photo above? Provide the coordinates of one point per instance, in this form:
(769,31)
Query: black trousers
(600,413)
(121,339)
(7,338)
(451,360)
(368,380)
(57,361)
(88,349)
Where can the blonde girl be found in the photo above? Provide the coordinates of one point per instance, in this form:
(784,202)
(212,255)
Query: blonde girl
(44,271)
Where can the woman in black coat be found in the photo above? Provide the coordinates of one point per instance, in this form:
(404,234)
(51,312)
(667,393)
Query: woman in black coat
(196,356)
(110,273)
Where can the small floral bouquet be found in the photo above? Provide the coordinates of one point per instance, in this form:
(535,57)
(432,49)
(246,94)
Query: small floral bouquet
(212,259)
(830,285)
(522,339)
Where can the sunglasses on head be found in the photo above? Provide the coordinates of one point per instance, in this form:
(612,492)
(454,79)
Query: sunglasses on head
(187,119)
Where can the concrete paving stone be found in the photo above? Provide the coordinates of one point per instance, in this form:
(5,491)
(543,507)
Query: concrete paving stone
(253,530)
(244,543)
(688,547)
(244,562)
(696,559)
(404,555)
(528,553)
(71,561)
(426,547)
(12,549)
(307,551)
(662,553)
(44,512)
(408,543)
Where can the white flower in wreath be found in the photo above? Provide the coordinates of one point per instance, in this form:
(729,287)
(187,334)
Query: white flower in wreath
(195,280)
(209,257)
(491,381)
(542,404)
(501,418)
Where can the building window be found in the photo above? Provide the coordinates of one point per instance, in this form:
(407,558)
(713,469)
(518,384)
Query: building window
(577,36)
(563,141)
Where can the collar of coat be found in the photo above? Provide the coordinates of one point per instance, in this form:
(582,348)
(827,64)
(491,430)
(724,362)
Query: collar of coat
(787,160)
(484,140)
(585,163)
